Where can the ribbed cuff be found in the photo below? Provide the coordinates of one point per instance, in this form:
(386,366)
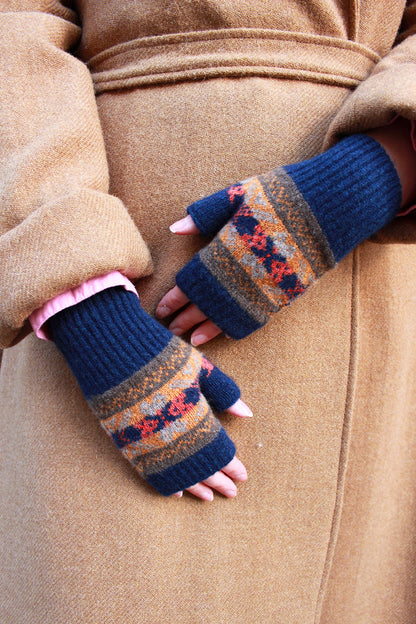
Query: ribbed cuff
(353,189)
(75,295)
(205,291)
(106,338)
(196,468)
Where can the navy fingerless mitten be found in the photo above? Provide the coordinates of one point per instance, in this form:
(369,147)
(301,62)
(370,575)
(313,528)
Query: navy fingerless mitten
(279,232)
(152,392)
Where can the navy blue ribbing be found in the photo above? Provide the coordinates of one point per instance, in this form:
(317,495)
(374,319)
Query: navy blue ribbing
(106,338)
(211,458)
(211,213)
(353,189)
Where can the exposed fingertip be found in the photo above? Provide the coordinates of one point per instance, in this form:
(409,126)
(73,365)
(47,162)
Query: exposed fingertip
(178,494)
(176,331)
(239,408)
(178,226)
(184,226)
(198,340)
(242,476)
(163,311)
(230,493)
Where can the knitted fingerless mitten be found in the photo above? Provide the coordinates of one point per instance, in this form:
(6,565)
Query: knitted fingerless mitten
(279,232)
(151,391)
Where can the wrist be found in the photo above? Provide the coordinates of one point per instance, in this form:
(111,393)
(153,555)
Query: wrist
(353,190)
(396,139)
(38,319)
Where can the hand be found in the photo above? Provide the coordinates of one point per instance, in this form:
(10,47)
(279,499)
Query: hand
(223,480)
(153,394)
(276,234)
(220,481)
(175,299)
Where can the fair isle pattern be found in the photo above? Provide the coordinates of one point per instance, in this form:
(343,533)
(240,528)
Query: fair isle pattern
(259,242)
(220,262)
(277,233)
(152,392)
(143,382)
(258,257)
(159,417)
(298,219)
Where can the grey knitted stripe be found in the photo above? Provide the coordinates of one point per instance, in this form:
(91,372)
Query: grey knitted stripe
(301,223)
(144,382)
(192,441)
(221,263)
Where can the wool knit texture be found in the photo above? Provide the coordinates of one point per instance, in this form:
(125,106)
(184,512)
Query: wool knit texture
(152,392)
(279,232)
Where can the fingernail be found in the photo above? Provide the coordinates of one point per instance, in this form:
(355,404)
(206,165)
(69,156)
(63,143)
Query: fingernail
(178,225)
(209,497)
(242,476)
(198,340)
(230,493)
(178,494)
(163,311)
(176,331)
(244,409)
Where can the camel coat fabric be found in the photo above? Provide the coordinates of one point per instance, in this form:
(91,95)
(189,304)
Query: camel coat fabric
(115,116)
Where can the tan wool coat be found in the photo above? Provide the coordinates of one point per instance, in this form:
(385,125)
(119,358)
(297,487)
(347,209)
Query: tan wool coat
(114,116)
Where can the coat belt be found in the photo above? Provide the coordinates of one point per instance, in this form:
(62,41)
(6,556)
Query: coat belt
(234,52)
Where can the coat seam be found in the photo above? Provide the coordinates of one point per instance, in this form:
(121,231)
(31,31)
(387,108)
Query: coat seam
(354,20)
(345,436)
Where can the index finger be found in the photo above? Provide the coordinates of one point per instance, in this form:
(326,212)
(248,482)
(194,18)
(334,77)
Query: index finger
(171,302)
(235,470)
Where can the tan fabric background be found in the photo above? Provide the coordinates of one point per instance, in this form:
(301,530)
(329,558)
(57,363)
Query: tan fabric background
(323,529)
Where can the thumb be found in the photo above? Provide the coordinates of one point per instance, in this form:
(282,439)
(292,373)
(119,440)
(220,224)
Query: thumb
(211,213)
(220,391)
(184,226)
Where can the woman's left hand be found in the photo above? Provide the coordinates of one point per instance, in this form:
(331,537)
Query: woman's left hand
(190,316)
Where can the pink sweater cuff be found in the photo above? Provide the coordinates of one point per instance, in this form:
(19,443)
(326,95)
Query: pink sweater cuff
(73,296)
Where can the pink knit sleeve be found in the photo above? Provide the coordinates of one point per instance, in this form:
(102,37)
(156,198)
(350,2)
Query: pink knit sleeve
(71,297)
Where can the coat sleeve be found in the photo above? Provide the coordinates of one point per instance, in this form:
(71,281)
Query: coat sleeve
(390,90)
(58,224)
